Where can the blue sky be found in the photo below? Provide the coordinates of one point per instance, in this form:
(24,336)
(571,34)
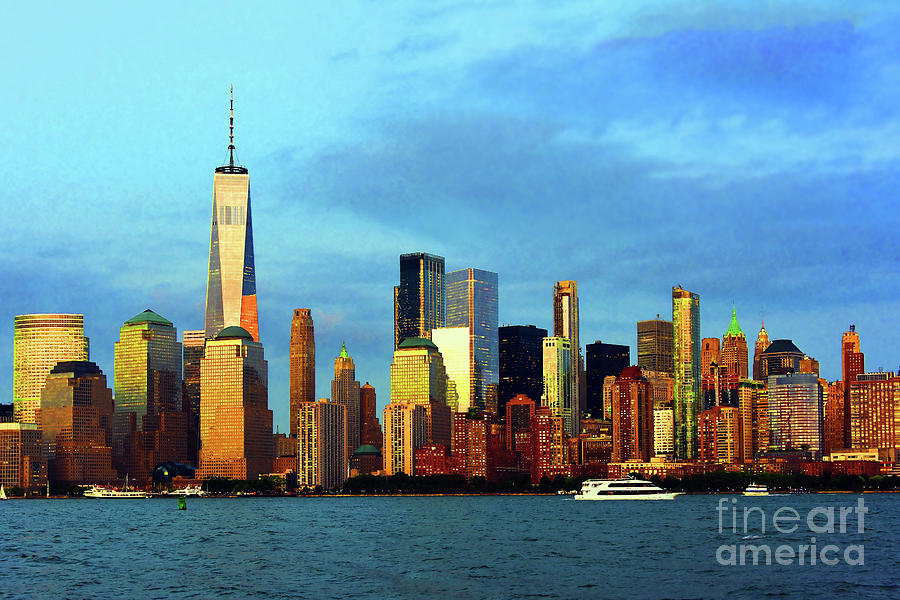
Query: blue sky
(747,151)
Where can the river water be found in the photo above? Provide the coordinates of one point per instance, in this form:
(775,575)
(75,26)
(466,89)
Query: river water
(446,547)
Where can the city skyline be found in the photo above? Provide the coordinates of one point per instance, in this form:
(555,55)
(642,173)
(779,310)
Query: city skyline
(797,196)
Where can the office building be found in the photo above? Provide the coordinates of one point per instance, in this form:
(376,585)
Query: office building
(686,362)
(719,433)
(521,363)
(193,343)
(322,444)
(419,304)
(472,302)
(235,420)
(734,349)
(454,344)
(345,391)
(472,456)
(853,362)
(833,424)
(22,462)
(875,411)
(655,345)
(370,426)
(74,418)
(39,342)
(559,395)
(404,432)
(762,342)
(231,281)
(302,363)
(632,417)
(601,361)
(519,413)
(710,354)
(565,325)
(780,358)
(795,412)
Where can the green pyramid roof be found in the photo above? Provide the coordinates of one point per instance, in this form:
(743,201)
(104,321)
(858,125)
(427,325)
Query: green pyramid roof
(344,351)
(366,449)
(734,329)
(417,342)
(148,316)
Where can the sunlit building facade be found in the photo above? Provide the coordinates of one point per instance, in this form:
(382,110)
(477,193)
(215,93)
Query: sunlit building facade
(322,444)
(74,417)
(417,373)
(853,362)
(632,417)
(719,434)
(302,363)
(22,462)
(419,304)
(655,345)
(686,363)
(734,349)
(235,420)
(795,412)
(193,342)
(762,342)
(565,325)
(559,395)
(404,431)
(345,391)
(370,427)
(454,345)
(231,282)
(39,342)
(875,411)
(472,299)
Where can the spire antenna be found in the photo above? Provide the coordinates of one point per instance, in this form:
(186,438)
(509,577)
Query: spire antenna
(231,129)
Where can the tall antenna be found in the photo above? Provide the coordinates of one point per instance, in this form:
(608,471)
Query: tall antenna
(231,130)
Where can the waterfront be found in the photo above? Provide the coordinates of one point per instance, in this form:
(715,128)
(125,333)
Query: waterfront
(423,547)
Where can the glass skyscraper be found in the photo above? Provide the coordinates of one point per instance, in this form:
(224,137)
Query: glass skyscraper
(40,341)
(419,299)
(521,350)
(559,396)
(686,363)
(231,283)
(565,324)
(472,302)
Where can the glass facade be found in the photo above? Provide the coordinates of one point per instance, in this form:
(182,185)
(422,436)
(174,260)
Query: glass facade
(686,364)
(235,422)
(321,444)
(40,341)
(418,375)
(453,344)
(472,300)
(558,380)
(565,324)
(231,284)
(655,345)
(602,360)
(521,353)
(419,304)
(795,413)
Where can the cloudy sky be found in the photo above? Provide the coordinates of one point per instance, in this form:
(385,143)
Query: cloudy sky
(747,151)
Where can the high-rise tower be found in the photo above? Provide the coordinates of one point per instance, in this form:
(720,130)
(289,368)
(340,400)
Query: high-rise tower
(686,362)
(565,324)
(231,283)
(853,362)
(302,363)
(762,342)
(734,348)
(472,302)
(419,303)
(39,342)
(345,391)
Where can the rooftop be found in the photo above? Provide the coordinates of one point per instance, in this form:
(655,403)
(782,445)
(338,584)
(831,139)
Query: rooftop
(417,342)
(234,332)
(148,316)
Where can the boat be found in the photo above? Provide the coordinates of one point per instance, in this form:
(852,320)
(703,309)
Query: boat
(2,493)
(622,489)
(99,491)
(191,490)
(755,489)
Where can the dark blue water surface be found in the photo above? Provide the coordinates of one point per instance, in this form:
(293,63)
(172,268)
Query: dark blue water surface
(431,547)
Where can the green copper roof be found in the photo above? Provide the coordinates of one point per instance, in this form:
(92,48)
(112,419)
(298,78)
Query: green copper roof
(366,449)
(344,351)
(734,329)
(234,332)
(148,316)
(416,342)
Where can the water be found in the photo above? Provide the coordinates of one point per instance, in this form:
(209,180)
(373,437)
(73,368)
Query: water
(427,547)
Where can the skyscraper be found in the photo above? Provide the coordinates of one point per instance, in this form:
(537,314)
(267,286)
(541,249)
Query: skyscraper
(419,304)
(472,302)
(404,431)
(795,412)
(231,283)
(762,342)
(345,391)
(565,324)
(150,425)
(74,418)
(454,344)
(521,363)
(193,342)
(602,360)
(853,362)
(874,411)
(710,354)
(321,444)
(559,395)
(632,417)
(686,362)
(418,377)
(39,342)
(780,358)
(370,426)
(734,349)
(654,345)
(235,420)
(303,363)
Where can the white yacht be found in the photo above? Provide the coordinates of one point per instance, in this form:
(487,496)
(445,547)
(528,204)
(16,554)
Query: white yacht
(191,490)
(755,489)
(622,489)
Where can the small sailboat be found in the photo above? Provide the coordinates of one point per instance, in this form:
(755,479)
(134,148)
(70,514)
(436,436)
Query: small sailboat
(2,493)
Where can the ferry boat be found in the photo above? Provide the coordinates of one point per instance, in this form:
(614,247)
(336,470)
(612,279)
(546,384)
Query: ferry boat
(756,490)
(622,489)
(191,490)
(99,491)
